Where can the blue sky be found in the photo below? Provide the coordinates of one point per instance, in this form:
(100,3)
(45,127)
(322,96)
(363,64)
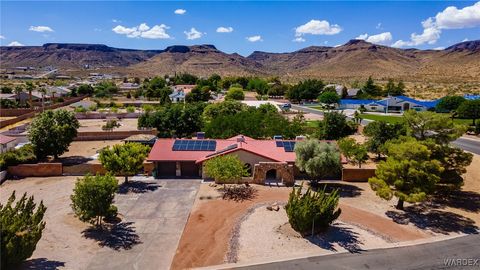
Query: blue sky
(247,26)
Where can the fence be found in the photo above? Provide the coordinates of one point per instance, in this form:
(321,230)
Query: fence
(110,135)
(36,170)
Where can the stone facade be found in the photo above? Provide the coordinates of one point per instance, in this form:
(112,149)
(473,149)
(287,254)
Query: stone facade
(284,172)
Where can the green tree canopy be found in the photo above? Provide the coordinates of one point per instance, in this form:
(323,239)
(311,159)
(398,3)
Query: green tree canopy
(125,159)
(258,85)
(93,196)
(329,97)
(470,109)
(305,90)
(199,94)
(228,107)
(51,132)
(409,173)
(353,151)
(317,159)
(105,89)
(449,103)
(371,89)
(235,93)
(21,228)
(225,169)
(85,89)
(379,132)
(335,126)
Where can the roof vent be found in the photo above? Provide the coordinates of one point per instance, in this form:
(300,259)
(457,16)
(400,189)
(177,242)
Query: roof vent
(277,137)
(200,135)
(300,138)
(240,139)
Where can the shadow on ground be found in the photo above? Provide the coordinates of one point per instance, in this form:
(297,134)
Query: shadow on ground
(465,200)
(337,234)
(345,190)
(426,218)
(115,236)
(41,263)
(74,160)
(137,187)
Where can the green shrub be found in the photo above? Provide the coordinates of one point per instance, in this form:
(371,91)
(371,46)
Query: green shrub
(312,211)
(130,109)
(21,228)
(110,125)
(14,157)
(80,109)
(225,169)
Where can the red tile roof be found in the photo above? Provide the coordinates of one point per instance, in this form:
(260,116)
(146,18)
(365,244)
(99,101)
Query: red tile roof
(5,139)
(162,150)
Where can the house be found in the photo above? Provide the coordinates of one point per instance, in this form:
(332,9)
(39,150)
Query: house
(180,91)
(338,88)
(471,97)
(7,143)
(58,91)
(86,104)
(126,87)
(8,96)
(390,104)
(264,159)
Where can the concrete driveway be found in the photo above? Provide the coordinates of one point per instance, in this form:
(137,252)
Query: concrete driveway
(154,215)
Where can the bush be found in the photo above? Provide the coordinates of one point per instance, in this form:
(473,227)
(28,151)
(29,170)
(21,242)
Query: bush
(312,211)
(21,228)
(93,196)
(25,154)
(110,125)
(225,169)
(130,109)
(80,109)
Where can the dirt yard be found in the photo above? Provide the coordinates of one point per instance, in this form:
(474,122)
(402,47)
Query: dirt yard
(84,150)
(96,124)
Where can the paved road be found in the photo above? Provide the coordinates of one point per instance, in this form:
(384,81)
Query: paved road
(470,145)
(436,255)
(154,219)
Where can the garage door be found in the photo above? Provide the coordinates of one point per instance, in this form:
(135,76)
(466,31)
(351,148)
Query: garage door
(166,169)
(189,169)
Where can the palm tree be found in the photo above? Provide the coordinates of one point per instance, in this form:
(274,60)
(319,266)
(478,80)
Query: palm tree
(18,90)
(29,86)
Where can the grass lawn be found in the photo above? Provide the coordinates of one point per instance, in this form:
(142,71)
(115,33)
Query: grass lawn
(312,123)
(320,108)
(399,119)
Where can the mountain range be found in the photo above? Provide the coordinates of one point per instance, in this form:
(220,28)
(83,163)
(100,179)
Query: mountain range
(354,59)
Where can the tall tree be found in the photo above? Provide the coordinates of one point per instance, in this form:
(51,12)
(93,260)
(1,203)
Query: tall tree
(409,173)
(335,126)
(371,89)
(21,227)
(329,98)
(317,159)
(353,151)
(225,169)
(51,132)
(449,103)
(235,93)
(379,132)
(124,159)
(470,109)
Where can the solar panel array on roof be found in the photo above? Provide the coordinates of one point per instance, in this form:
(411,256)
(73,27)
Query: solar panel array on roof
(194,145)
(288,146)
(279,143)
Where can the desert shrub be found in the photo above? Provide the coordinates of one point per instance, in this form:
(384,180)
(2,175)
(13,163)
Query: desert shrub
(21,228)
(130,109)
(238,192)
(93,196)
(312,211)
(80,109)
(25,154)
(110,125)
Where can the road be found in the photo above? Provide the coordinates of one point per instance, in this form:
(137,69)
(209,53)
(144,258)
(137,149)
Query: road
(437,255)
(466,144)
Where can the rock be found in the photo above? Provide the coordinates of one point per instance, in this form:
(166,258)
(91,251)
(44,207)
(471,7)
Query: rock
(276,208)
(269,208)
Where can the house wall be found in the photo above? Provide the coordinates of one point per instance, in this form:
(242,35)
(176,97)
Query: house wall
(36,170)
(10,145)
(357,174)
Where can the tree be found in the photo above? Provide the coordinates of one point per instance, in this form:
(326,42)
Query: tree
(371,89)
(329,98)
(6,90)
(235,93)
(449,103)
(390,87)
(379,132)
(470,109)
(29,87)
(225,169)
(228,107)
(353,151)
(317,159)
(305,90)
(85,89)
(124,159)
(277,90)
(51,132)
(199,94)
(409,173)
(105,89)
(423,125)
(400,90)
(93,196)
(21,228)
(258,85)
(335,126)
(312,212)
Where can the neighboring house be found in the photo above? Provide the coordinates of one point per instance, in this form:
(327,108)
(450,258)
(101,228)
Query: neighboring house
(8,96)
(58,91)
(394,104)
(352,92)
(86,104)
(184,87)
(178,96)
(338,88)
(146,139)
(7,143)
(125,87)
(471,97)
(22,96)
(257,103)
(184,158)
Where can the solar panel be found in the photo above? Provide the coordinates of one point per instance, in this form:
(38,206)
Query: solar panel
(194,145)
(288,146)
(279,143)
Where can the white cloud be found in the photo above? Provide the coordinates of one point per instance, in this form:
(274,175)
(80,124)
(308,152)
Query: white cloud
(466,39)
(40,29)
(193,34)
(143,31)
(2,37)
(255,38)
(223,29)
(362,36)
(316,27)
(116,21)
(439,48)
(449,18)
(379,26)
(15,43)
(299,39)
(454,18)
(180,11)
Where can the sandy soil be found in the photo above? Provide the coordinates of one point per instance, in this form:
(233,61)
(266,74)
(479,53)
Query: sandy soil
(268,235)
(96,124)
(61,238)
(87,148)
